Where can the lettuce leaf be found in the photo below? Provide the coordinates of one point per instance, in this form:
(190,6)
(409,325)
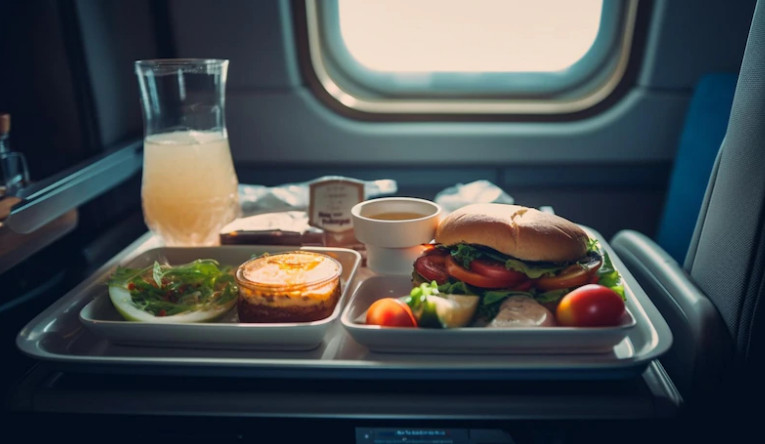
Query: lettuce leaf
(607,274)
(593,245)
(496,296)
(458,287)
(551,296)
(534,271)
(609,277)
(157,274)
(464,254)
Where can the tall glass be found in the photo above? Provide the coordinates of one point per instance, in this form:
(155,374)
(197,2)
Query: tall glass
(189,189)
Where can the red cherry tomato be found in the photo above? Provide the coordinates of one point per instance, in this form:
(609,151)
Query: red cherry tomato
(496,270)
(431,267)
(591,305)
(470,277)
(573,276)
(390,312)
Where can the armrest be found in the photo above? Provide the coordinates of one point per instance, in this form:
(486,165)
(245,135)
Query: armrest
(43,202)
(702,343)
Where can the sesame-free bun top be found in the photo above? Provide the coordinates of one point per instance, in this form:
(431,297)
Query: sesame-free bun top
(521,232)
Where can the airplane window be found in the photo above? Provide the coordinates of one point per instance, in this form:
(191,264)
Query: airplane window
(486,56)
(425,36)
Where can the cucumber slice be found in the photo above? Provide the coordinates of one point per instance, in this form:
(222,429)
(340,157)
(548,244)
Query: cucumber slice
(122,301)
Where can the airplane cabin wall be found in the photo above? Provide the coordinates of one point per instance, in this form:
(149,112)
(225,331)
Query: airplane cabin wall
(609,171)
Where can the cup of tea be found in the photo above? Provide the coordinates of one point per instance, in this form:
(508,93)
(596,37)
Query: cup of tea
(394,231)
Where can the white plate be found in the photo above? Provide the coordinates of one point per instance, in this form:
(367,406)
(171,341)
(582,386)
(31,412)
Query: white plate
(470,339)
(102,318)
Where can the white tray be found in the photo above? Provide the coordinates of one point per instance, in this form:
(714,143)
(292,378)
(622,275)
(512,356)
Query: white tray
(473,340)
(100,316)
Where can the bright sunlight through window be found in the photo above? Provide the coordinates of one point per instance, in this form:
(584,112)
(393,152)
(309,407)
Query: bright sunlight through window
(418,36)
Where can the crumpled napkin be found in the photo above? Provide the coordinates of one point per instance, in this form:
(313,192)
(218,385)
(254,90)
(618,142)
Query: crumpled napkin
(255,199)
(480,191)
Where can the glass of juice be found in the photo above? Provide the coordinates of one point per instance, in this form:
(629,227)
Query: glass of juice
(189,189)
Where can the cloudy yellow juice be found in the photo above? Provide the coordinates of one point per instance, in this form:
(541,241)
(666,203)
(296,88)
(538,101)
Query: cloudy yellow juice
(189,190)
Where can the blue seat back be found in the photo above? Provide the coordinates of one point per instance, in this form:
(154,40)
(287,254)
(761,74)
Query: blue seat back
(705,125)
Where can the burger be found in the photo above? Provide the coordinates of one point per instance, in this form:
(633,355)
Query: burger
(497,250)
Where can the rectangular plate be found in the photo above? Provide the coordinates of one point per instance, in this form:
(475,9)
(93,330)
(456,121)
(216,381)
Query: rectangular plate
(470,340)
(102,318)
(57,336)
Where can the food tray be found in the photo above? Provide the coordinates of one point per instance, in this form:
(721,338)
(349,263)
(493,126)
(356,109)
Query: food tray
(102,318)
(472,340)
(58,336)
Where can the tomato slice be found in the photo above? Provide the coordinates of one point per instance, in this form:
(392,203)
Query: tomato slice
(524,286)
(470,277)
(574,276)
(496,270)
(432,268)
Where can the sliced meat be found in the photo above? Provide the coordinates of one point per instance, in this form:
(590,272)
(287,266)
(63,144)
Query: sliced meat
(522,311)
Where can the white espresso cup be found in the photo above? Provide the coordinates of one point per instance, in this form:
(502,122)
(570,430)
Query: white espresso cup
(394,229)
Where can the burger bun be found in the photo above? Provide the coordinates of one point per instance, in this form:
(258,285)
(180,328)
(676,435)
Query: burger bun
(524,233)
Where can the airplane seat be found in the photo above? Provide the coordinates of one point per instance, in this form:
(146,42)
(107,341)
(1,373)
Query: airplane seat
(715,302)
(702,135)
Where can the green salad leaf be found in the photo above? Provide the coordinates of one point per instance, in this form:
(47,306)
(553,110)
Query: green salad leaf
(551,296)
(157,273)
(496,296)
(465,254)
(164,290)
(458,287)
(607,274)
(609,277)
